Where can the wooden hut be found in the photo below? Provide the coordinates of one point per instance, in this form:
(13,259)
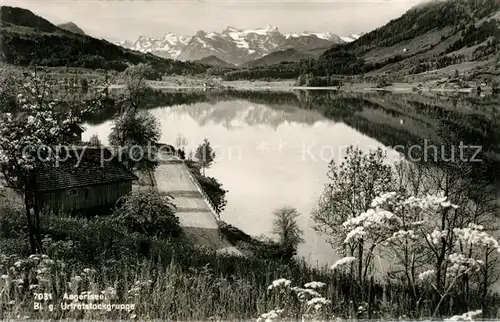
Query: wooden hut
(87,180)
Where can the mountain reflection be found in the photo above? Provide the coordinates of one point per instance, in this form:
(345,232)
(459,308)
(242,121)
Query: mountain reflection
(392,119)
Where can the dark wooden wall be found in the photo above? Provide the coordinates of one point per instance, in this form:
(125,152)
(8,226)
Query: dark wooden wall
(81,198)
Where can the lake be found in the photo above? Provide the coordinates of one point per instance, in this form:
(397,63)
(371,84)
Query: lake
(272,150)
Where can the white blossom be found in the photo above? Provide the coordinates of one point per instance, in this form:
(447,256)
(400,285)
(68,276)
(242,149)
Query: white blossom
(303,293)
(473,235)
(342,261)
(314,285)
(271,315)
(468,316)
(279,283)
(318,302)
(429,274)
(436,236)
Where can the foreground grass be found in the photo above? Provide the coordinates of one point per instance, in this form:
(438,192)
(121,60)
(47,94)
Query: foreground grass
(158,279)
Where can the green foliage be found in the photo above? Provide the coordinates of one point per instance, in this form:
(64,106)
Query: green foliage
(142,70)
(383,81)
(28,39)
(205,155)
(286,70)
(318,81)
(136,132)
(9,82)
(147,212)
(94,141)
(12,219)
(473,35)
(286,227)
(354,183)
(211,186)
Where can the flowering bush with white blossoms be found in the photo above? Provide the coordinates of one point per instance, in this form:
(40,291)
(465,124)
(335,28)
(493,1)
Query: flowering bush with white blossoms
(424,238)
(30,133)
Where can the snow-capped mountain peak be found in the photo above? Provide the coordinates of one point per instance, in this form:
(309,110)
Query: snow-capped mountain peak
(350,38)
(233,45)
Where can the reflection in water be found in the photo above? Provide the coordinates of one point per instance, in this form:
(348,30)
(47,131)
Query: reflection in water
(273,149)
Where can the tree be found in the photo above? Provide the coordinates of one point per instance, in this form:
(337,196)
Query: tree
(354,183)
(136,87)
(94,141)
(151,213)
(135,135)
(29,136)
(180,143)
(205,155)
(286,227)
(145,71)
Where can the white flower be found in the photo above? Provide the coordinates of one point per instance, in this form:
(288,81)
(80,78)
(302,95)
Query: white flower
(436,236)
(342,261)
(426,275)
(302,293)
(279,283)
(469,316)
(314,285)
(271,315)
(318,302)
(76,279)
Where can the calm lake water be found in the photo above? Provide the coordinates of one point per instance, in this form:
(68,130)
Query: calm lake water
(273,151)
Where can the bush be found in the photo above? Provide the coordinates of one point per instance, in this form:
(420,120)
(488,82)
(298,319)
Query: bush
(147,212)
(12,220)
(144,70)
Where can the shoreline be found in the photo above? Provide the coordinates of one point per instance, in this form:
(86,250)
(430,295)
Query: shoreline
(286,86)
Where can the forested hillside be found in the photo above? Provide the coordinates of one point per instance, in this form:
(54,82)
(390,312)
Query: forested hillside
(439,28)
(27,39)
(428,37)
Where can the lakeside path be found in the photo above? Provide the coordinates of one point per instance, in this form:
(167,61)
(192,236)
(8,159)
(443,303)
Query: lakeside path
(196,216)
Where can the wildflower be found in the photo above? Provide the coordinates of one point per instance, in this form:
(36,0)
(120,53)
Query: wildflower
(303,292)
(318,302)
(18,281)
(109,290)
(33,286)
(279,283)
(342,261)
(271,315)
(314,285)
(474,235)
(468,316)
(436,235)
(355,234)
(426,275)
(76,279)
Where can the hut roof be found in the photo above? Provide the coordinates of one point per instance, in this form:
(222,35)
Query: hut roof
(83,167)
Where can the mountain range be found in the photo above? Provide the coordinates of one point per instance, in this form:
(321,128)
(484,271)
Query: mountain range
(28,40)
(232,45)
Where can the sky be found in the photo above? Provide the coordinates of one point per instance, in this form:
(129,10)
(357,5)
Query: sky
(117,20)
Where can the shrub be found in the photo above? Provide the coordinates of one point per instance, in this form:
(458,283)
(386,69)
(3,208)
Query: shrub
(12,220)
(147,212)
